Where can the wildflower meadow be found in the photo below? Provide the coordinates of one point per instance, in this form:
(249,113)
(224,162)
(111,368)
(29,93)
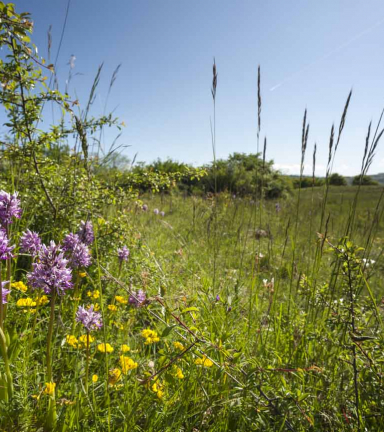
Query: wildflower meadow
(163,300)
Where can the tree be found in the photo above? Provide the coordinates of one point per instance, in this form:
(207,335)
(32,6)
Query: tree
(337,180)
(245,174)
(364,181)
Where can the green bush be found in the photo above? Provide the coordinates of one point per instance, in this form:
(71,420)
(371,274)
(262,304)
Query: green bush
(336,179)
(364,181)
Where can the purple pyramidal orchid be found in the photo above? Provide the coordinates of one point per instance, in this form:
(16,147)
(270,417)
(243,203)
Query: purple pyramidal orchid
(137,299)
(123,253)
(9,207)
(85,232)
(90,319)
(4,292)
(51,273)
(30,242)
(77,251)
(5,248)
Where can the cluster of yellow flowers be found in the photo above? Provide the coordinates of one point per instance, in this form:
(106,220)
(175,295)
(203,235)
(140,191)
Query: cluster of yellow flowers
(121,300)
(28,302)
(114,376)
(41,301)
(20,286)
(125,348)
(150,336)
(50,388)
(178,373)
(93,294)
(72,340)
(105,348)
(204,361)
(158,388)
(25,302)
(79,343)
(127,364)
(178,346)
(112,308)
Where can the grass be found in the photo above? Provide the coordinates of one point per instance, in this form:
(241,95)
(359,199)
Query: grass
(281,350)
(270,346)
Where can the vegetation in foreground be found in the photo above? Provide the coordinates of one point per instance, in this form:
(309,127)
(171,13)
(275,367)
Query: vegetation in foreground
(170,313)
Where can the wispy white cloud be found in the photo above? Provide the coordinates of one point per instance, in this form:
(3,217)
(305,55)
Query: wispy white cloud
(329,54)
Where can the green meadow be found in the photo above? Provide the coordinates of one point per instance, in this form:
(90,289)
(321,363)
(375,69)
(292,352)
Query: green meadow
(163,297)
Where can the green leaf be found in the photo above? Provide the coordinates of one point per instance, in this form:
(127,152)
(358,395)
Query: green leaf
(167,330)
(190,309)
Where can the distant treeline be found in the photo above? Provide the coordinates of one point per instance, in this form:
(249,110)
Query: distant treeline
(240,174)
(335,179)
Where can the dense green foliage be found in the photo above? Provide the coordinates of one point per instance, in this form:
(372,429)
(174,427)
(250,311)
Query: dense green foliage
(306,182)
(240,174)
(337,180)
(245,174)
(364,181)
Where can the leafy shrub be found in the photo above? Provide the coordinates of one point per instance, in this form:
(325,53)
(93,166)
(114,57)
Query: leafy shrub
(364,181)
(336,179)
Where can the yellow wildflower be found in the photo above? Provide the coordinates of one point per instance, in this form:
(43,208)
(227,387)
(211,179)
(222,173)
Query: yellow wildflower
(178,346)
(72,340)
(150,336)
(25,302)
(93,294)
(127,364)
(204,361)
(83,339)
(112,308)
(158,388)
(121,299)
(32,311)
(50,388)
(19,286)
(41,301)
(105,348)
(125,348)
(179,373)
(114,376)
(95,378)
(96,307)
(82,274)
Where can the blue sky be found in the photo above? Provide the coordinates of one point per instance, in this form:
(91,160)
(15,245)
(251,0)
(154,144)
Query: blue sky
(316,50)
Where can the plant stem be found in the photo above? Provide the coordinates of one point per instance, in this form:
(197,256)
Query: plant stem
(87,365)
(49,337)
(1,300)
(51,416)
(3,349)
